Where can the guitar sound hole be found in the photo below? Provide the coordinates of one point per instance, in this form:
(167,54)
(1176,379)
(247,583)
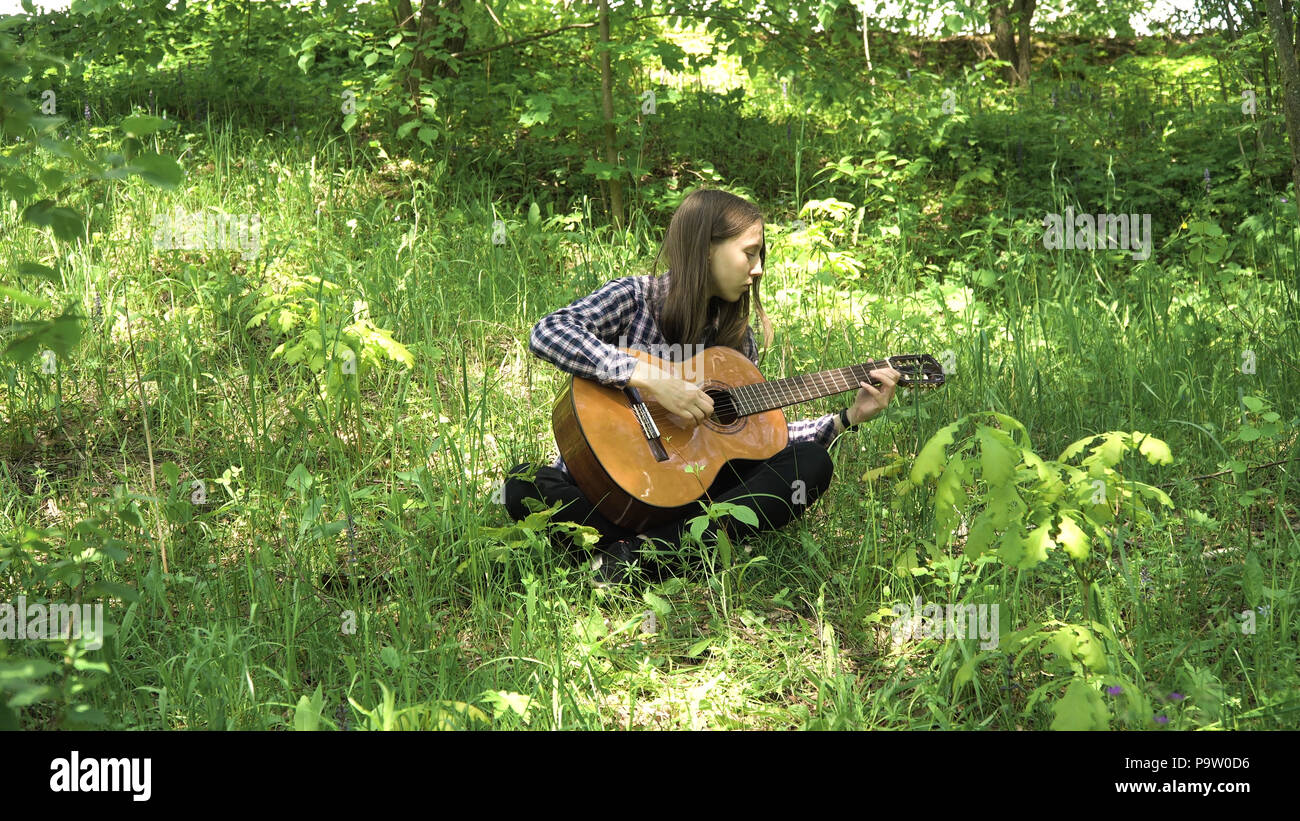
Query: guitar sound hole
(724,407)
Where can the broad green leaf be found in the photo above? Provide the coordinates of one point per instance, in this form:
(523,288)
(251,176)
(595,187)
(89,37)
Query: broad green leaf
(157,170)
(1036,546)
(1075,644)
(1155,450)
(1252,580)
(306,716)
(724,548)
(142,125)
(65,222)
(657,603)
(299,479)
(130,514)
(391,657)
(60,335)
(1011,548)
(602,170)
(964,674)
(906,562)
(698,647)
(505,700)
(19,186)
(890,470)
(393,349)
(997,461)
(171,472)
(1073,539)
(24,299)
(1153,493)
(28,693)
(744,513)
(537,109)
(980,536)
(1075,448)
(949,499)
(1111,449)
(1080,708)
(32,269)
(15,670)
(930,461)
(1005,505)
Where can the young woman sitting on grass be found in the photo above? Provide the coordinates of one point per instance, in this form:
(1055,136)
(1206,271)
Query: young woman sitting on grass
(715,250)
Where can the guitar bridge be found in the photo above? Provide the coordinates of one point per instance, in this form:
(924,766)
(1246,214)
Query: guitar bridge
(648,427)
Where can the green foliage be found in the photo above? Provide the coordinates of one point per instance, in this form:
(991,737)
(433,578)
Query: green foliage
(323,334)
(529,533)
(1028,508)
(921,230)
(41,154)
(53,679)
(433,715)
(996,471)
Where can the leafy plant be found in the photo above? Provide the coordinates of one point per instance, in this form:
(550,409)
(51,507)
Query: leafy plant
(61,568)
(1028,507)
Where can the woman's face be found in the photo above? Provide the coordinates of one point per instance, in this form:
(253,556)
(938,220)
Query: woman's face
(736,263)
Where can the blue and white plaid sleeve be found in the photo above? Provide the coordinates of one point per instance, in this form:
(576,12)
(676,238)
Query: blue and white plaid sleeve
(572,338)
(820,430)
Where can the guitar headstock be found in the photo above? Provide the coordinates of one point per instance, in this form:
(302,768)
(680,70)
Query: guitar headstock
(919,370)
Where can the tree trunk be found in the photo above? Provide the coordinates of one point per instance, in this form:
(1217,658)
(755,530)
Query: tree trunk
(409,27)
(1014,50)
(1285,47)
(446,19)
(418,28)
(1025,8)
(607,95)
(1004,41)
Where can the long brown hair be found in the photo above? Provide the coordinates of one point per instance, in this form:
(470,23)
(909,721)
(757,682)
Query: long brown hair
(706,216)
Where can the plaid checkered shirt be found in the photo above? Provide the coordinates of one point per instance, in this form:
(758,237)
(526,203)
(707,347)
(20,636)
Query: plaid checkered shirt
(583,339)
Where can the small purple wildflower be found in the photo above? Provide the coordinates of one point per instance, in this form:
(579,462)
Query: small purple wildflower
(1114,691)
(1162,719)
(1176,696)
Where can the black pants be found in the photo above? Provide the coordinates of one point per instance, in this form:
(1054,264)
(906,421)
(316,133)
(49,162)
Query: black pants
(778,490)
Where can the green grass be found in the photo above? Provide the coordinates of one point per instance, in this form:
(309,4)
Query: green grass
(452,627)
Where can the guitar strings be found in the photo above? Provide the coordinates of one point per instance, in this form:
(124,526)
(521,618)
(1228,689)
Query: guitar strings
(726,405)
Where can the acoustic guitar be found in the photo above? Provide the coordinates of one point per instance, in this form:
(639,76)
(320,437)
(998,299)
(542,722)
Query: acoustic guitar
(638,462)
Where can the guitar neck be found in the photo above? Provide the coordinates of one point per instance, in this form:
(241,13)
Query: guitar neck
(794,390)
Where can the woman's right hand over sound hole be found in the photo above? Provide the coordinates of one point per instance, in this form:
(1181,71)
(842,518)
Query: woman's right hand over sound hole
(684,400)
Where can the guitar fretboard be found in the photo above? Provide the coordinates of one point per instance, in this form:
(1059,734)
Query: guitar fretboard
(793,390)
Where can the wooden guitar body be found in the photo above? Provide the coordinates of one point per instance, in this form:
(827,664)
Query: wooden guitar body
(606,449)
(641,467)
